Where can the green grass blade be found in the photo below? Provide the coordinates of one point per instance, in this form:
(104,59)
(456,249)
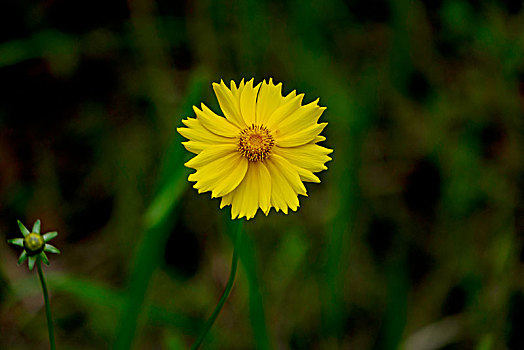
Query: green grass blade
(158,221)
(94,295)
(145,262)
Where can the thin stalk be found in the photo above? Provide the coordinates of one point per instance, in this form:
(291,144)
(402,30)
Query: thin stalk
(227,290)
(50,326)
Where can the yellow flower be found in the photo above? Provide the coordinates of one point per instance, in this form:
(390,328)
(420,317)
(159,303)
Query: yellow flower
(261,152)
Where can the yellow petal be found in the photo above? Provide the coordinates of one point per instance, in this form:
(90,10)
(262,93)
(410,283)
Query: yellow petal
(215,123)
(195,131)
(310,157)
(210,154)
(234,89)
(289,172)
(303,118)
(299,138)
(230,176)
(226,200)
(248,102)
(269,99)
(237,91)
(289,97)
(284,111)
(221,176)
(230,104)
(244,201)
(261,185)
(195,146)
(253,192)
(283,181)
(306,175)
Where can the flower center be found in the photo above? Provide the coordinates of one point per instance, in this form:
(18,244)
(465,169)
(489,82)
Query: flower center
(255,143)
(33,243)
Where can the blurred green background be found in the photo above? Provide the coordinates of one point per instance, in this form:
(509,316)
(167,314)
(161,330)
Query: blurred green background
(413,240)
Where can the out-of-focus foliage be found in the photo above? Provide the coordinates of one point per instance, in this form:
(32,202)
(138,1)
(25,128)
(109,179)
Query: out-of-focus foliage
(413,239)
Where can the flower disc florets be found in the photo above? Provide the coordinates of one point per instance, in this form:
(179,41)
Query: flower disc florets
(255,143)
(34,243)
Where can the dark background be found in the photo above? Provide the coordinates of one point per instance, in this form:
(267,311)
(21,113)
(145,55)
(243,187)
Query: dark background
(412,240)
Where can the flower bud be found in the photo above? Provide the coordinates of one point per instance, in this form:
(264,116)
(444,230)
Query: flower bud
(34,244)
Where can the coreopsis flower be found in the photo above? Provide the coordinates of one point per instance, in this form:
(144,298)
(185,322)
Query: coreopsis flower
(34,244)
(259,154)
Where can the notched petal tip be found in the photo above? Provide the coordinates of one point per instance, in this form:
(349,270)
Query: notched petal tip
(241,86)
(191,176)
(187,122)
(322,126)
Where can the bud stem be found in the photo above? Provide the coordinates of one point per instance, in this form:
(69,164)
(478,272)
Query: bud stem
(50,326)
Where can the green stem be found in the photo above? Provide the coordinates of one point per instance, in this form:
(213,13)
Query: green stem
(227,290)
(50,326)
